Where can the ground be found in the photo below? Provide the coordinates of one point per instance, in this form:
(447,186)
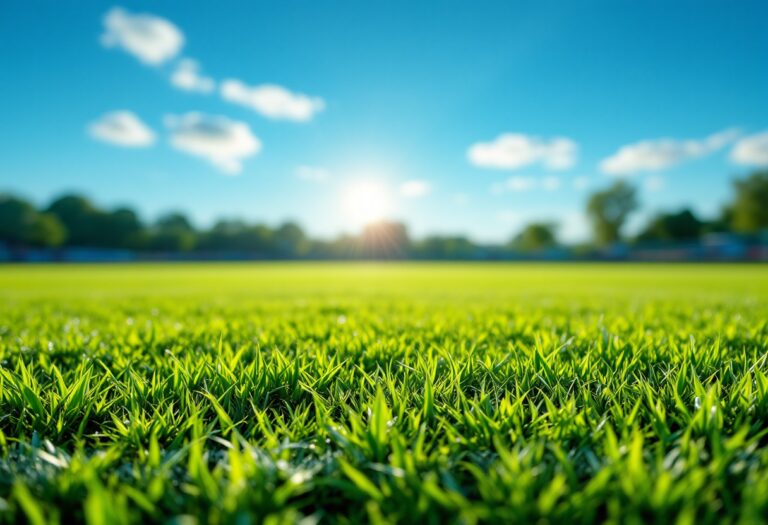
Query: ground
(348,393)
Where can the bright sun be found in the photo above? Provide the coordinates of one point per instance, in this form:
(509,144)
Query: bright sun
(366,201)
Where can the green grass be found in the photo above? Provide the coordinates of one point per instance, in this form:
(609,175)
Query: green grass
(348,393)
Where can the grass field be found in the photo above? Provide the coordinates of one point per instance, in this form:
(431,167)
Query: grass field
(348,393)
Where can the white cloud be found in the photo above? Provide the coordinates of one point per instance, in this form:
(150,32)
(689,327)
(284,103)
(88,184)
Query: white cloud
(187,76)
(751,150)
(511,151)
(659,154)
(272,101)
(151,39)
(415,188)
(581,182)
(223,142)
(122,128)
(551,183)
(655,183)
(312,173)
(519,183)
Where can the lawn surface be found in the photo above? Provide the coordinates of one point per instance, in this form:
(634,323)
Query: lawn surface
(348,393)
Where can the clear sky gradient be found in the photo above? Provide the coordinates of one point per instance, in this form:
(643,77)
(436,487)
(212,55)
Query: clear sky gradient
(454,117)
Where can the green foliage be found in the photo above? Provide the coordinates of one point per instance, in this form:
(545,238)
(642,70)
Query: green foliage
(385,240)
(383,393)
(74,221)
(749,211)
(45,230)
(21,224)
(444,247)
(88,226)
(290,240)
(172,233)
(79,216)
(535,236)
(678,226)
(609,209)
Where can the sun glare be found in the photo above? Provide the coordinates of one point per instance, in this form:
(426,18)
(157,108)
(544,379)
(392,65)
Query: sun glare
(366,201)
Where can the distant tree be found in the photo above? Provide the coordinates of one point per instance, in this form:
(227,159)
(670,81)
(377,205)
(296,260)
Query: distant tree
(535,237)
(719,224)
(261,239)
(120,228)
(237,235)
(458,247)
(609,209)
(171,240)
(385,239)
(749,210)
(679,226)
(46,231)
(223,235)
(444,247)
(89,226)
(290,240)
(81,219)
(22,225)
(172,232)
(16,216)
(175,221)
(344,246)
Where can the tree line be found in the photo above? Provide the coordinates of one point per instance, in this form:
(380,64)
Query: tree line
(609,209)
(75,221)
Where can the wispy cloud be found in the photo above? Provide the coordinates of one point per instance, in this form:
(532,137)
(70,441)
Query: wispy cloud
(660,154)
(511,151)
(751,150)
(223,142)
(122,128)
(272,101)
(187,77)
(415,188)
(516,183)
(312,173)
(151,39)
(520,183)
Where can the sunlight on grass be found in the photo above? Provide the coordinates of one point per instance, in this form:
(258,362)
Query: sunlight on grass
(383,393)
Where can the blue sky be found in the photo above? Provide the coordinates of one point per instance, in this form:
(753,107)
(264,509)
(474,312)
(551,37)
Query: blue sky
(455,117)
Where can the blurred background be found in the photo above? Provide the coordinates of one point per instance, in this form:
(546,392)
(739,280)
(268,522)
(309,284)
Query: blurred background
(383,130)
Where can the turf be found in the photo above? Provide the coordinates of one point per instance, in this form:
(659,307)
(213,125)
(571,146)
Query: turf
(349,393)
